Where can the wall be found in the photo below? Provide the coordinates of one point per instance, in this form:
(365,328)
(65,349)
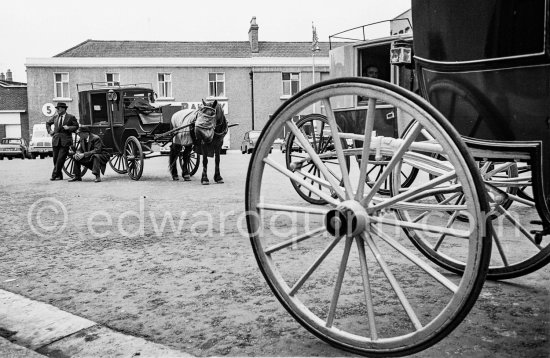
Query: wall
(188,84)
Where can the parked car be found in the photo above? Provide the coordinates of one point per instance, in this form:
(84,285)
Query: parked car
(249,142)
(14,148)
(41,142)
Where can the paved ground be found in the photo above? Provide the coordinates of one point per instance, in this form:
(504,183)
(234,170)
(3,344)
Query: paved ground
(169,262)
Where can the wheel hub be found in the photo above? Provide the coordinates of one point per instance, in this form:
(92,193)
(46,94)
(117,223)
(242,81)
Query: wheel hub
(348,218)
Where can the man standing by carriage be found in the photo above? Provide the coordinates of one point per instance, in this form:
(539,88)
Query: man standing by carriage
(91,154)
(64,125)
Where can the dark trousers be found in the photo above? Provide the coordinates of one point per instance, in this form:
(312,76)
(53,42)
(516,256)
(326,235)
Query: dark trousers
(59,156)
(93,162)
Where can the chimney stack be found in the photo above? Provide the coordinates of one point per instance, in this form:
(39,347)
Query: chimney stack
(8,75)
(2,77)
(253,35)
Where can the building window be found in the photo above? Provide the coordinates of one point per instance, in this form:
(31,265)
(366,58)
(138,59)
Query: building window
(62,85)
(165,85)
(216,84)
(291,83)
(112,79)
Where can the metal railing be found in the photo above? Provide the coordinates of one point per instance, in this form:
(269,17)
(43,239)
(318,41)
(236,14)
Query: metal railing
(110,85)
(362,27)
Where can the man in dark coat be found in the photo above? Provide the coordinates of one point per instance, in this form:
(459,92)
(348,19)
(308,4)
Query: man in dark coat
(90,153)
(64,125)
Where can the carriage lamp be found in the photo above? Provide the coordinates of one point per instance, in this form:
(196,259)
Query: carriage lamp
(400,53)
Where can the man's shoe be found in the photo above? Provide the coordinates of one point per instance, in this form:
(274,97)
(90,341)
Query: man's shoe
(75,179)
(97,179)
(187,177)
(175,178)
(56,178)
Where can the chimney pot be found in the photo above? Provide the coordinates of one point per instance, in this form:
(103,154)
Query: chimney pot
(2,77)
(253,35)
(8,75)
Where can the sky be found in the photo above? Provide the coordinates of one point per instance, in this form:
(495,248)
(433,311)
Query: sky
(38,28)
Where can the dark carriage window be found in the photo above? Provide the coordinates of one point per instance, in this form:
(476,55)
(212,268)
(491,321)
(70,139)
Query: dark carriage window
(475,30)
(99,108)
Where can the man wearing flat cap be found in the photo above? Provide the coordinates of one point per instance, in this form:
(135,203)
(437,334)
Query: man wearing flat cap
(64,125)
(90,153)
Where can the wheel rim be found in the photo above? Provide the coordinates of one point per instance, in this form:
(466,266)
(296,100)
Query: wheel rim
(300,267)
(133,156)
(118,163)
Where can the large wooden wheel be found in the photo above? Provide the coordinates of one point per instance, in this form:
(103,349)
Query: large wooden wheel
(133,156)
(118,163)
(346,271)
(193,165)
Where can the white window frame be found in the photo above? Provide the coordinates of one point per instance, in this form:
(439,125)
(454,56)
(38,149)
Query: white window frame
(164,85)
(64,82)
(289,82)
(219,78)
(114,81)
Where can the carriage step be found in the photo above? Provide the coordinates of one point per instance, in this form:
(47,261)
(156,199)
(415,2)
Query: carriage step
(540,233)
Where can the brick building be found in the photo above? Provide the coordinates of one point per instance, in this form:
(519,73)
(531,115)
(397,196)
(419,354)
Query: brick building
(14,117)
(253,78)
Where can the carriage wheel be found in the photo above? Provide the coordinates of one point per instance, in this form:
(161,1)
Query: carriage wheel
(516,250)
(69,161)
(193,165)
(133,156)
(118,163)
(344,271)
(322,142)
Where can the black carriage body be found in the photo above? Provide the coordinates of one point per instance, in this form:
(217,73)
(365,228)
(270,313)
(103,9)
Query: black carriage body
(107,111)
(486,66)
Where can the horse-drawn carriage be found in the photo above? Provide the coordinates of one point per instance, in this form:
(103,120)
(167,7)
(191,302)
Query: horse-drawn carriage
(397,188)
(130,124)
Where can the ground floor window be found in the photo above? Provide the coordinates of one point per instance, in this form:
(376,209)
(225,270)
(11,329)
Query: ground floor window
(112,78)
(291,83)
(61,85)
(165,85)
(216,84)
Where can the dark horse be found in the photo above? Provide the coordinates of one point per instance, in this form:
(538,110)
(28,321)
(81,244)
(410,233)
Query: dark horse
(206,128)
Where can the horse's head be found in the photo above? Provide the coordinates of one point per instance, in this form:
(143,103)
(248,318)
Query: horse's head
(210,121)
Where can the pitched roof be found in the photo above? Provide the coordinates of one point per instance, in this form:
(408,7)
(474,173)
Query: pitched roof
(209,49)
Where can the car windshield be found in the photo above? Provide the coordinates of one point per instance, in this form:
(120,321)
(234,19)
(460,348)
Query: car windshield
(11,141)
(254,135)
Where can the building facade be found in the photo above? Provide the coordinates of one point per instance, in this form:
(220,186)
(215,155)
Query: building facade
(14,117)
(250,78)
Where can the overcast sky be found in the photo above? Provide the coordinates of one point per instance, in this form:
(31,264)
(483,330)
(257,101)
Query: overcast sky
(38,28)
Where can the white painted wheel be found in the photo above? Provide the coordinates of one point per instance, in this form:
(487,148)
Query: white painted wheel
(346,271)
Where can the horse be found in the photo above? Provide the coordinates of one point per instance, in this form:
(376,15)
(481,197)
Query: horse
(206,128)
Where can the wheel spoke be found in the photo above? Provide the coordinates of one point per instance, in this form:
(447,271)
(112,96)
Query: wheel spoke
(449,224)
(393,282)
(416,260)
(422,227)
(499,248)
(339,280)
(338,147)
(517,224)
(296,178)
(409,138)
(366,287)
(369,124)
(294,240)
(409,193)
(292,209)
(314,266)
(315,158)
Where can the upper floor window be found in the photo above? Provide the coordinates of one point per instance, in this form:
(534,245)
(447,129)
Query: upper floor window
(165,85)
(112,79)
(291,83)
(216,84)
(62,85)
